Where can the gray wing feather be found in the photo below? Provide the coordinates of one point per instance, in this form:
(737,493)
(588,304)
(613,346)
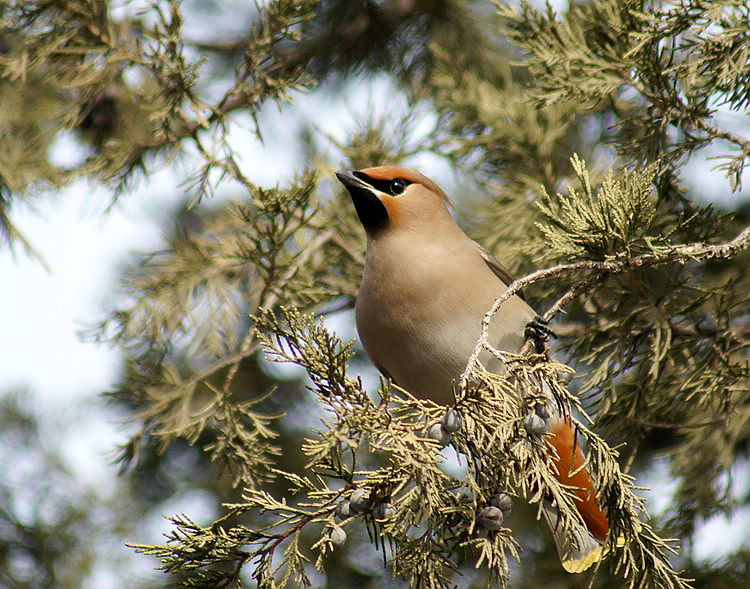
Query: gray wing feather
(497,268)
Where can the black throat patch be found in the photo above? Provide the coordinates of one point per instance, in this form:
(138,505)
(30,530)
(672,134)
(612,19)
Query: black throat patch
(370,210)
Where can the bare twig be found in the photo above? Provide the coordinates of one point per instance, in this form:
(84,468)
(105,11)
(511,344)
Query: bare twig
(603,269)
(715,132)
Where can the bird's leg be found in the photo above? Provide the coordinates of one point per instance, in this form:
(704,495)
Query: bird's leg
(539,333)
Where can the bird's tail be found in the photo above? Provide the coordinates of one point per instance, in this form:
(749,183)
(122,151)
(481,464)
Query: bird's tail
(579,552)
(587,544)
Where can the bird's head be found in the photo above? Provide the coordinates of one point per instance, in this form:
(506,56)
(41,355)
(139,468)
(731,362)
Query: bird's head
(391,198)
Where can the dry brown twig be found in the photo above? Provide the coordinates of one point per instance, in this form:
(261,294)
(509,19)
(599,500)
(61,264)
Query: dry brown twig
(682,254)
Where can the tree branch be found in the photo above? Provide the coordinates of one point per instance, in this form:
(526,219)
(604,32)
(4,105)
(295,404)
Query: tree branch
(714,132)
(681,254)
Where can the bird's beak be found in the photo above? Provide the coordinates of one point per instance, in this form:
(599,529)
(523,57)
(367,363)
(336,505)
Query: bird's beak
(370,209)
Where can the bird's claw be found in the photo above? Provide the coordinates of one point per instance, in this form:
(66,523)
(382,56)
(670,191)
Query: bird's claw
(538,332)
(537,328)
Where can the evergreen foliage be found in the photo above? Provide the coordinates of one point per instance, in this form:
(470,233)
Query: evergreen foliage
(653,363)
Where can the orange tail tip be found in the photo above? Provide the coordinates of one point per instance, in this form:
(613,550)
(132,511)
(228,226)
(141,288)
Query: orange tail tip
(588,544)
(576,554)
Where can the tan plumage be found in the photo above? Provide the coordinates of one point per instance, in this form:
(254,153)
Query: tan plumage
(425,290)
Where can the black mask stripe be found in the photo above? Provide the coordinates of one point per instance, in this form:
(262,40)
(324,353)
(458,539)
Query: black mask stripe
(378,184)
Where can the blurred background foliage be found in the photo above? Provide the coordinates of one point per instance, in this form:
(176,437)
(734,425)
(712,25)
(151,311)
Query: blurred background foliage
(491,100)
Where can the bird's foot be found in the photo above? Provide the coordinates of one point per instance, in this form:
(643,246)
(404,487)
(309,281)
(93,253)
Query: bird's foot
(539,333)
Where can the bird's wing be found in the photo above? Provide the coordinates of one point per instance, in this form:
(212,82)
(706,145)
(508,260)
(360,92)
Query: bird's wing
(497,268)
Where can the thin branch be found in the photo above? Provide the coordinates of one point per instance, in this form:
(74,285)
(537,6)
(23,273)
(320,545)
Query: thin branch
(714,132)
(582,287)
(679,254)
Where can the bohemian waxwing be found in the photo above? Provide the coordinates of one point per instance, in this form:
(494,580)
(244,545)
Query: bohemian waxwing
(425,289)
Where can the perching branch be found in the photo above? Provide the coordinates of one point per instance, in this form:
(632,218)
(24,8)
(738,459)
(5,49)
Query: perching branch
(695,252)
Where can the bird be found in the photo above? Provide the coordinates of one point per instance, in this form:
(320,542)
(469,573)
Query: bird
(425,288)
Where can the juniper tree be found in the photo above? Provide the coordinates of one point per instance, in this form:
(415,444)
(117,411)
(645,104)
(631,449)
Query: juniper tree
(653,352)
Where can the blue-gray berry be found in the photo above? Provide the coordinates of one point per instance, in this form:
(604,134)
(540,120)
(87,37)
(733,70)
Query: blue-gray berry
(344,509)
(359,501)
(503,502)
(535,424)
(491,518)
(437,433)
(452,421)
(338,536)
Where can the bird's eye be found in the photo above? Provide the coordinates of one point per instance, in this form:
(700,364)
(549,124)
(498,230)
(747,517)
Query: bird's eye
(397,186)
